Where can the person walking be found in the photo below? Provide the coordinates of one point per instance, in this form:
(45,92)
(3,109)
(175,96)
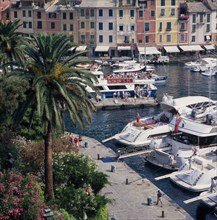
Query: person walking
(159,196)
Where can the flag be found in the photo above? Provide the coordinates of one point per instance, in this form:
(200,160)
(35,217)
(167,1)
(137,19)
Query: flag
(178,121)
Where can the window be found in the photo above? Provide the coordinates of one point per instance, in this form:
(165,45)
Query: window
(146,39)
(207,27)
(208,18)
(168,26)
(147,27)
(91,12)
(131,13)
(39,15)
(71,27)
(140,14)
(24,24)
(64,16)
(193,39)
(132,28)
(216,26)
(100,26)
(128,2)
(160,38)
(82,12)
(83,39)
(92,26)
(15,14)
(194,18)
(110,38)
(30,14)
(110,13)
(92,38)
(160,26)
(162,3)
(194,28)
(152,13)
(71,16)
(100,12)
(24,13)
(182,26)
(162,12)
(39,24)
(82,25)
(182,37)
(64,27)
(110,26)
(101,38)
(173,2)
(52,25)
(140,41)
(173,12)
(52,15)
(201,18)
(152,2)
(121,13)
(121,28)
(30,24)
(126,39)
(168,38)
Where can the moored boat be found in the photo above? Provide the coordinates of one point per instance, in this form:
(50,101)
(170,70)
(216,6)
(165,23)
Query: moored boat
(141,133)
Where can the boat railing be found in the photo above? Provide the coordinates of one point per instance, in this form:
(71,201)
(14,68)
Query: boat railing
(120,80)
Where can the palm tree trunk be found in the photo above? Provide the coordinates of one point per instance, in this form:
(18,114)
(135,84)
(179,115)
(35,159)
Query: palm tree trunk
(48,162)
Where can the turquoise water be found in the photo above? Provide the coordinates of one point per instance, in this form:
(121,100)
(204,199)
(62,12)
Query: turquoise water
(181,82)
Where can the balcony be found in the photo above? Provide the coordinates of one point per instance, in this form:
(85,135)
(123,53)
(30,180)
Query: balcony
(183,17)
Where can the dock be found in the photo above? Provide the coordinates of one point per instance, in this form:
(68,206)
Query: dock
(128,190)
(111,103)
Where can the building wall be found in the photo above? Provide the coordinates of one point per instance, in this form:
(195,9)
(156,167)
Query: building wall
(166,23)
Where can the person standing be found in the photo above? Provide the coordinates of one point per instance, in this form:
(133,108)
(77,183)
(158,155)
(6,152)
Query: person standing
(159,196)
(9,162)
(138,118)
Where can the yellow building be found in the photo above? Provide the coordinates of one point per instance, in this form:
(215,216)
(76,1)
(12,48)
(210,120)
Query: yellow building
(166,22)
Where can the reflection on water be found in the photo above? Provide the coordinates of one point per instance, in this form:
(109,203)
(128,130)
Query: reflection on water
(104,124)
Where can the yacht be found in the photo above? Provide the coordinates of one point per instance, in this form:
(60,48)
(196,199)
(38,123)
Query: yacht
(122,85)
(141,133)
(199,171)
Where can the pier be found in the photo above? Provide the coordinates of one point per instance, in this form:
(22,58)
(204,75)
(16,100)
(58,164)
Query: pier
(111,103)
(129,191)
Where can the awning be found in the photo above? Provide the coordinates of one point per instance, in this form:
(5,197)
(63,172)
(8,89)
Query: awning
(191,48)
(81,48)
(171,49)
(71,49)
(102,49)
(148,50)
(124,48)
(209,47)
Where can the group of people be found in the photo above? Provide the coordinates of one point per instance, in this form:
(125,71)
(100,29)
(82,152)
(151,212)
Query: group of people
(133,75)
(74,140)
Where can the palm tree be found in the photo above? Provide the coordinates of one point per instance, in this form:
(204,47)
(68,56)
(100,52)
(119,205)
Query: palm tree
(55,84)
(11,44)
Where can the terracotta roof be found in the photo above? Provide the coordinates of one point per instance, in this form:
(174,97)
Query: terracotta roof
(212,4)
(197,7)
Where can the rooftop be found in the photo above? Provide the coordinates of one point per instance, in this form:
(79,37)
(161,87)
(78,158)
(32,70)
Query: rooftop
(198,7)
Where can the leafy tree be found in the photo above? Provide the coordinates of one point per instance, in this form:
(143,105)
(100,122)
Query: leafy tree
(12,92)
(11,44)
(75,190)
(55,84)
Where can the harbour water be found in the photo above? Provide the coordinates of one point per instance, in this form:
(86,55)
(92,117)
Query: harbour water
(181,82)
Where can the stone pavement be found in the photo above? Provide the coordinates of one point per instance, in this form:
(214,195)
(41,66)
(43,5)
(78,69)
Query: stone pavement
(129,200)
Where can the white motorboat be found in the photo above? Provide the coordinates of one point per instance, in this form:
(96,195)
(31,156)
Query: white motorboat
(210,72)
(141,133)
(199,171)
(129,85)
(194,129)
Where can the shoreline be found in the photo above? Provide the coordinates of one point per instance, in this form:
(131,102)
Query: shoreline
(128,189)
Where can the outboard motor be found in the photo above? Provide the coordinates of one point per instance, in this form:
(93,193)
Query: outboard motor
(209,119)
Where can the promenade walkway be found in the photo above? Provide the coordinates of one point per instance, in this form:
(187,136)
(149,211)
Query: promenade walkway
(130,200)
